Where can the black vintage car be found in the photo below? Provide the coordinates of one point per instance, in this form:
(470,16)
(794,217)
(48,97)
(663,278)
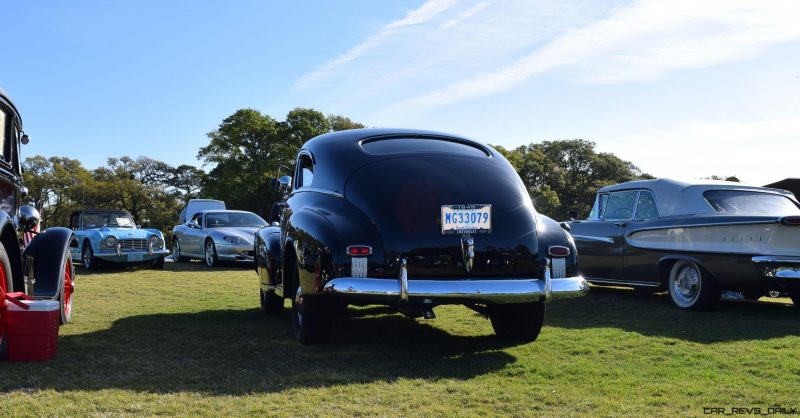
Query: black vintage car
(693,240)
(411,219)
(44,269)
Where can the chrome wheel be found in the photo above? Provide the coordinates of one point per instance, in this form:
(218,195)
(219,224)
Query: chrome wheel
(686,286)
(211,254)
(691,287)
(87,257)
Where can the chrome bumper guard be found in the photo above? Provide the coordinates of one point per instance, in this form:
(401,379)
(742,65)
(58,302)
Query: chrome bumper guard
(789,270)
(494,290)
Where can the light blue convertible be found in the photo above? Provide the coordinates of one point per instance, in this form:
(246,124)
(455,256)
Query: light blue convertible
(112,235)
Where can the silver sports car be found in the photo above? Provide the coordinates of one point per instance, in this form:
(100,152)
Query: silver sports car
(216,235)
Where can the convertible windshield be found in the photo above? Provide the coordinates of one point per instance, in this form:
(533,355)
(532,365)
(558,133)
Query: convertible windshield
(113,219)
(233,220)
(742,202)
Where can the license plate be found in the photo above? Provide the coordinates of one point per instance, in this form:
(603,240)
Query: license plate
(135,256)
(466,219)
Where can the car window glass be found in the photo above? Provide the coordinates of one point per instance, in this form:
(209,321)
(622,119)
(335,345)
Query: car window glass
(744,202)
(306,171)
(3,129)
(646,208)
(620,206)
(395,145)
(599,206)
(197,218)
(233,219)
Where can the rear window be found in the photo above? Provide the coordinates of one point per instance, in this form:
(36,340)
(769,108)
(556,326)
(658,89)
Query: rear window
(742,202)
(382,146)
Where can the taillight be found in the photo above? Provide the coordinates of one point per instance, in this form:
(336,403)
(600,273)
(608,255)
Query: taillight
(558,251)
(359,250)
(791,220)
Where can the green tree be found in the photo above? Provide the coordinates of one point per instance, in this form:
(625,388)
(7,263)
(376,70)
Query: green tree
(249,149)
(565,175)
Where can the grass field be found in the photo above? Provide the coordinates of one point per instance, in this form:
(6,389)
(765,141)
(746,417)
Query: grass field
(191,341)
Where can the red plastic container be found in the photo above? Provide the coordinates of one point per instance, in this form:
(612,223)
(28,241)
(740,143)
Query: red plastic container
(33,332)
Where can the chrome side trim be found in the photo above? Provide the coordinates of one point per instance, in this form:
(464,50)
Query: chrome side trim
(506,290)
(705,225)
(403,280)
(622,282)
(317,190)
(785,273)
(775,259)
(593,238)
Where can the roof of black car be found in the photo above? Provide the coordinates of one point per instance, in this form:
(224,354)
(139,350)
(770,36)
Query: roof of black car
(350,137)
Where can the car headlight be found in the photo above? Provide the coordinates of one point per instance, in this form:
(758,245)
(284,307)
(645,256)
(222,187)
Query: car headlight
(109,242)
(156,241)
(235,240)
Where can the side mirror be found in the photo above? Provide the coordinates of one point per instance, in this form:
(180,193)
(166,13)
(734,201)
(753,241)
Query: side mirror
(285,184)
(28,218)
(572,215)
(193,224)
(25,139)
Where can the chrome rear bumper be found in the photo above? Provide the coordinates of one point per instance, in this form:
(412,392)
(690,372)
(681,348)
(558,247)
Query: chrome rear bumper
(474,290)
(780,267)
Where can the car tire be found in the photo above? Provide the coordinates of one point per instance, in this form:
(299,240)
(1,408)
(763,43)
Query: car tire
(157,264)
(5,284)
(521,321)
(692,288)
(176,252)
(66,290)
(87,257)
(271,303)
(311,319)
(210,254)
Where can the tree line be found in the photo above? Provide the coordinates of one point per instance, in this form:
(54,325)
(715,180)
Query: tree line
(250,149)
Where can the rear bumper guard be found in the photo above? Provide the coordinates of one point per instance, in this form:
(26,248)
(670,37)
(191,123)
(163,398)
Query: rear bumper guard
(476,290)
(780,267)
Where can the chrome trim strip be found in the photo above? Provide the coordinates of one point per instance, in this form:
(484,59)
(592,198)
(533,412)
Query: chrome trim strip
(403,280)
(548,283)
(506,290)
(593,238)
(316,190)
(622,282)
(775,259)
(705,225)
(787,274)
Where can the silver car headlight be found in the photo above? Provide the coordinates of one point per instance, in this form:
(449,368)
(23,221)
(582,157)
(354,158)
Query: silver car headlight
(156,241)
(235,240)
(109,242)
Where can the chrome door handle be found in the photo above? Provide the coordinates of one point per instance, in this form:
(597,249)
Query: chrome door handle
(623,224)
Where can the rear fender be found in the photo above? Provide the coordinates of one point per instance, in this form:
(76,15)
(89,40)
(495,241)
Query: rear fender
(49,250)
(268,255)
(308,243)
(551,233)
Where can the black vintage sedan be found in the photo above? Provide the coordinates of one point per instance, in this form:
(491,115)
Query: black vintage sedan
(412,220)
(692,239)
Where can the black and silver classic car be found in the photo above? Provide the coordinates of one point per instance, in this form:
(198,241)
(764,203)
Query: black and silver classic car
(43,268)
(411,219)
(692,239)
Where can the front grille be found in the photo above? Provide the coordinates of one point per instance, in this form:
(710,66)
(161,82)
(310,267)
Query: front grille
(133,244)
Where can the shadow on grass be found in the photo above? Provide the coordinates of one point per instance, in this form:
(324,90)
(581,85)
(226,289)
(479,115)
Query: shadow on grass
(193,265)
(236,351)
(654,315)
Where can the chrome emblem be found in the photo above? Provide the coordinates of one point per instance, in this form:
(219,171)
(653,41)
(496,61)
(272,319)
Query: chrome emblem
(468,251)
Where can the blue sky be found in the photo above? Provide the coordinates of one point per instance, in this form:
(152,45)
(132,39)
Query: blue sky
(683,89)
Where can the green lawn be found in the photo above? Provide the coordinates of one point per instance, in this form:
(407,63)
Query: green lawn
(191,341)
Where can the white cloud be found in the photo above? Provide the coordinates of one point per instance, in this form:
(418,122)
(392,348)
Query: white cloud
(465,15)
(427,11)
(641,41)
